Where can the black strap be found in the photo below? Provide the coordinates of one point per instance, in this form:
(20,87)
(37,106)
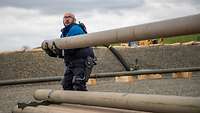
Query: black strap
(82,25)
(23,105)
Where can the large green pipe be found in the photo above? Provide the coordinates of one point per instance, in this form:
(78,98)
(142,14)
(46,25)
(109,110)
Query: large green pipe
(68,108)
(101,75)
(168,28)
(139,102)
(39,109)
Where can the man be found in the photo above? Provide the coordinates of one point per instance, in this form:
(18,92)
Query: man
(78,62)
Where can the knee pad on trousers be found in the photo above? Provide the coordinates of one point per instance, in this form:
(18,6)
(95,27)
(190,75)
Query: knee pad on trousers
(79,88)
(79,84)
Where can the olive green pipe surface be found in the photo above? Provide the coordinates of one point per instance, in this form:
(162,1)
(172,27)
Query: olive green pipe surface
(39,109)
(167,28)
(69,108)
(139,102)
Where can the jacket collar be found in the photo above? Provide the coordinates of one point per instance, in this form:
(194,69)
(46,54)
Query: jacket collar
(67,28)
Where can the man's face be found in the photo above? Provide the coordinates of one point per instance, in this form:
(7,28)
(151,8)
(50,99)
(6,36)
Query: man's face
(67,19)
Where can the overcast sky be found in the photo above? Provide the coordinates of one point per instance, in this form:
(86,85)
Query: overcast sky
(29,22)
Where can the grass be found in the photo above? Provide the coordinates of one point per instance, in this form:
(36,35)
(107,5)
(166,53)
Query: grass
(177,39)
(182,39)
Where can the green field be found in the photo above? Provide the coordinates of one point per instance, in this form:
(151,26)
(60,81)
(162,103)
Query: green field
(177,39)
(182,39)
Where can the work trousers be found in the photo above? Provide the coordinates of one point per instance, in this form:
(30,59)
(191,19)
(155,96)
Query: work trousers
(76,74)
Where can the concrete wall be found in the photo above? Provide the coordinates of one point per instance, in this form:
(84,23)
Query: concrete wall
(37,64)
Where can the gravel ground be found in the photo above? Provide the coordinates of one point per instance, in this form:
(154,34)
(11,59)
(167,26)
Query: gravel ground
(10,95)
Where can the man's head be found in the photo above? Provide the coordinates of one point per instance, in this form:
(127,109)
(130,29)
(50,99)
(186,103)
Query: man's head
(68,18)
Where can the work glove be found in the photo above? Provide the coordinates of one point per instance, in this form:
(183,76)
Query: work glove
(48,50)
(57,51)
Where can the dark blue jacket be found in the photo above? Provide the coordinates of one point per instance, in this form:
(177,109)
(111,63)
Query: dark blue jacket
(78,53)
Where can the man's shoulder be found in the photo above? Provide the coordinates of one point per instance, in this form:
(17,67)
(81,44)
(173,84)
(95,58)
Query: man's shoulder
(76,30)
(76,27)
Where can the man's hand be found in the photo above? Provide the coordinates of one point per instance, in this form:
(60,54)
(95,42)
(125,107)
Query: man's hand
(57,51)
(47,50)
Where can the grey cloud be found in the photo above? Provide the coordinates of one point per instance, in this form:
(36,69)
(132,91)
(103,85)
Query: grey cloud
(40,26)
(194,3)
(59,6)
